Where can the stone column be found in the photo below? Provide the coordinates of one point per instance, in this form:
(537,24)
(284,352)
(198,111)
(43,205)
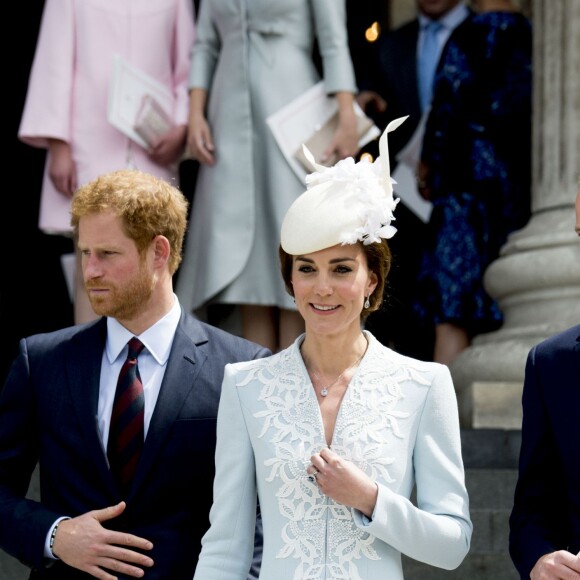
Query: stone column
(536,279)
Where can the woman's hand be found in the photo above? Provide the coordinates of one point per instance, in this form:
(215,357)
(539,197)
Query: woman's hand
(169,148)
(342,481)
(344,142)
(200,141)
(199,138)
(62,169)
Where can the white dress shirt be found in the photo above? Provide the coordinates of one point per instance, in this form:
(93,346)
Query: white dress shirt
(152,364)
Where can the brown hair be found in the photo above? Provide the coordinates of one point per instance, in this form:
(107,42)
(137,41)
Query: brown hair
(378,257)
(147,205)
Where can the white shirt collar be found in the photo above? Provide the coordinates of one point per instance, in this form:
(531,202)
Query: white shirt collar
(450,20)
(157,338)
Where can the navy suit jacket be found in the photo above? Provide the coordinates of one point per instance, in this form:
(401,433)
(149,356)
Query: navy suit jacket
(546,512)
(394,77)
(48,415)
(393,74)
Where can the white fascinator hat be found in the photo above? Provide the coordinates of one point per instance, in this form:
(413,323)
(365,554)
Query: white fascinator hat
(343,204)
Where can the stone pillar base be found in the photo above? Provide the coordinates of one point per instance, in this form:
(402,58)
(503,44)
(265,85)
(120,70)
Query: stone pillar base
(496,405)
(536,282)
(493,366)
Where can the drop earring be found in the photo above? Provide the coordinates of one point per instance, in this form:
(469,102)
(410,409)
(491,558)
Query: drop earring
(367,303)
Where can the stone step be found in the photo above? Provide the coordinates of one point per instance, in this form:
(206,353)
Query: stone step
(474,567)
(12,569)
(490,510)
(490,457)
(490,495)
(490,448)
(490,489)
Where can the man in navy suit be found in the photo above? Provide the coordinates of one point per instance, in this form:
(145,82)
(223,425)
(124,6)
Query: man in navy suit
(544,540)
(56,404)
(389,89)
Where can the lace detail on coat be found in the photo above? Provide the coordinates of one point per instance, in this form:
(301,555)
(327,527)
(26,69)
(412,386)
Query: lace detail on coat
(321,534)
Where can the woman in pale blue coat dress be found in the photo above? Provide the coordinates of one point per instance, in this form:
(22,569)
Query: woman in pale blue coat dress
(332,434)
(250,59)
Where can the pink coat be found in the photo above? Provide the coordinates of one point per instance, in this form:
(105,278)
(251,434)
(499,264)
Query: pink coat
(69,84)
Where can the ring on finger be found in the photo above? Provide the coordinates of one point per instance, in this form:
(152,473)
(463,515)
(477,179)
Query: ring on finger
(312,476)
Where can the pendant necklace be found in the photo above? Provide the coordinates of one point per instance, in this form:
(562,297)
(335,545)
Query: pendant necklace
(324,390)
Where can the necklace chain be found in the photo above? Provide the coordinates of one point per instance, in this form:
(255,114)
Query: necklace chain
(324,390)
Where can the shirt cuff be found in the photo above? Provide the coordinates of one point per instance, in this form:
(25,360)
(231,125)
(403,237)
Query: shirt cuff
(47,549)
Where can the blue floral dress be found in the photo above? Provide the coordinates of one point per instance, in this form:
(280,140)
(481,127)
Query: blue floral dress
(477,146)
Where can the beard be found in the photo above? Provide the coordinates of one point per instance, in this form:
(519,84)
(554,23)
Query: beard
(126,301)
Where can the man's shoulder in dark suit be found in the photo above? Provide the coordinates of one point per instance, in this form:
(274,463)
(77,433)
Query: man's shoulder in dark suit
(231,345)
(566,340)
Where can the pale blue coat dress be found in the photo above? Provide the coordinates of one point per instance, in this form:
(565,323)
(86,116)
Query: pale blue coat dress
(398,422)
(254,57)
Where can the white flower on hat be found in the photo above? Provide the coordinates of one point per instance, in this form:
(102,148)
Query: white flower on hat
(343,204)
(369,183)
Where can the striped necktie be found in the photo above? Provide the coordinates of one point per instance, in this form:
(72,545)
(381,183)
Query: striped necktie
(126,433)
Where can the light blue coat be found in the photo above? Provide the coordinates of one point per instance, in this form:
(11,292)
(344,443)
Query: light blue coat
(254,57)
(398,422)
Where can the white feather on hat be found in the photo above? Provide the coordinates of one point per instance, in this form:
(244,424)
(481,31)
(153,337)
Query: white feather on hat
(343,204)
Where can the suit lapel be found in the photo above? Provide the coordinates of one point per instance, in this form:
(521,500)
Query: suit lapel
(567,417)
(83,371)
(408,69)
(183,366)
(576,365)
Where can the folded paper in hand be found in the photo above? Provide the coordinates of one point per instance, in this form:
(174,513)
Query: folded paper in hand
(139,105)
(320,139)
(311,119)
